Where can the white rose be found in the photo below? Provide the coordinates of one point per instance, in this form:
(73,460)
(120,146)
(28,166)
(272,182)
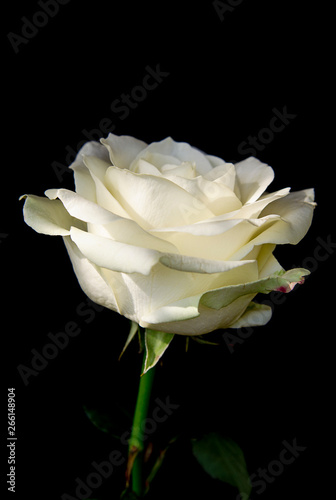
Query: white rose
(172,238)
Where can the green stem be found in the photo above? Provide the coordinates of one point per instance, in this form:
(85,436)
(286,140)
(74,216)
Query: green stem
(136,442)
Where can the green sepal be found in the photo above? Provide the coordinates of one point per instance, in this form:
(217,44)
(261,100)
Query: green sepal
(133,331)
(200,340)
(223,459)
(155,344)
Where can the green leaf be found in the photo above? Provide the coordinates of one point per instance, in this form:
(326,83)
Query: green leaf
(155,344)
(223,459)
(111,422)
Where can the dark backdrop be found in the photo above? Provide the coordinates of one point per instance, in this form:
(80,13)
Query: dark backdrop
(224,70)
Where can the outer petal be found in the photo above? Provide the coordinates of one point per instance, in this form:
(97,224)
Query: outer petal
(114,255)
(253,177)
(47,216)
(83,182)
(179,298)
(215,240)
(105,223)
(205,321)
(255,315)
(127,258)
(278,281)
(267,263)
(90,278)
(253,210)
(123,149)
(81,208)
(97,169)
(181,310)
(220,308)
(91,148)
(295,213)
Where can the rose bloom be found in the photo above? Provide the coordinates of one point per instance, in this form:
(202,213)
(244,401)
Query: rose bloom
(172,238)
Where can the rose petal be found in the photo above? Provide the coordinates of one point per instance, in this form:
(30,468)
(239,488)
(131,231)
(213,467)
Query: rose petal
(181,310)
(46,216)
(114,255)
(133,191)
(254,315)
(267,263)
(216,161)
(129,232)
(180,150)
(190,264)
(105,223)
(126,258)
(145,167)
(123,149)
(215,195)
(225,174)
(181,292)
(83,182)
(186,170)
(201,319)
(296,212)
(159,160)
(252,178)
(215,240)
(294,218)
(80,207)
(225,296)
(203,228)
(91,148)
(96,166)
(254,209)
(90,278)
(104,198)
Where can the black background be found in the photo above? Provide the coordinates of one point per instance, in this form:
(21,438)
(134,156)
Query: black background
(224,79)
